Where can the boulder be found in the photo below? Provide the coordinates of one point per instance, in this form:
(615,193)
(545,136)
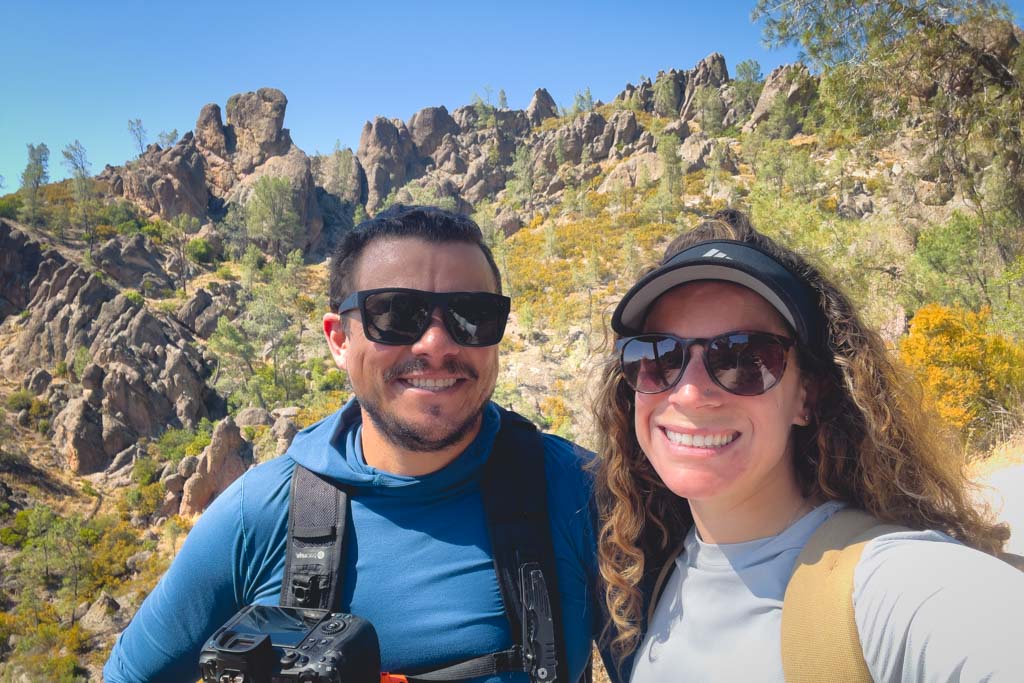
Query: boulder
(38,381)
(167,182)
(78,432)
(92,377)
(428,127)
(632,172)
(253,417)
(284,430)
(190,310)
(793,82)
(21,263)
(224,303)
(542,106)
(388,155)
(175,483)
(223,461)
(131,262)
(255,121)
(209,134)
(124,459)
(116,435)
(694,152)
(104,615)
(188,465)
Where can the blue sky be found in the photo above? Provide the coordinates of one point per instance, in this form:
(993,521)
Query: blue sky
(81,70)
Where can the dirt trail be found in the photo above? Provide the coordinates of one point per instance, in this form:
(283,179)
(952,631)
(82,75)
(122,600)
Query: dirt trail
(1006,496)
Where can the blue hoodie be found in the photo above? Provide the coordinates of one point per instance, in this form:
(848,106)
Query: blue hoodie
(418,561)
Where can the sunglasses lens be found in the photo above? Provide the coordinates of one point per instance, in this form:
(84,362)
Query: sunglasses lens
(746,364)
(651,364)
(395,317)
(476,318)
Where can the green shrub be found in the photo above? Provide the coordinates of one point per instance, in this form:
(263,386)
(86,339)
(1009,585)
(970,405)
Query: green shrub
(19,400)
(43,426)
(144,471)
(134,296)
(39,409)
(9,206)
(199,250)
(332,380)
(10,536)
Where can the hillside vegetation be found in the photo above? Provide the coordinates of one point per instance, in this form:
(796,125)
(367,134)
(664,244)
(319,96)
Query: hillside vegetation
(906,190)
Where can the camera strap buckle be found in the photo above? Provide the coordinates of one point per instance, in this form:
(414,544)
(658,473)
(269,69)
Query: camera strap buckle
(306,590)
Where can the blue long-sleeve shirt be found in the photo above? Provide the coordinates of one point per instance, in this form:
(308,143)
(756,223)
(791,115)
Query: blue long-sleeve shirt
(418,562)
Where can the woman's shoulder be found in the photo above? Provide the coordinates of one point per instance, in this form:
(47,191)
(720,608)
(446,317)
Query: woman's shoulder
(926,606)
(927,560)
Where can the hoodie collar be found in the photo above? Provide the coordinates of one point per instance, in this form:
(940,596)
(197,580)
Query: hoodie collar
(333,448)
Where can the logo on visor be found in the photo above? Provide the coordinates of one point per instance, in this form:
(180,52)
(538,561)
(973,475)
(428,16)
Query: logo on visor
(715,253)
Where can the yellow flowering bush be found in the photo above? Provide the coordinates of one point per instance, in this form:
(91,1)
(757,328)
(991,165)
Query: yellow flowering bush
(969,374)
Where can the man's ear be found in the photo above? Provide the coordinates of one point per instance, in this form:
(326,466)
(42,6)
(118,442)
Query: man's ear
(337,338)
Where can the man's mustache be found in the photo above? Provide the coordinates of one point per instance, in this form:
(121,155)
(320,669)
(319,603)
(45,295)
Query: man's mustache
(450,365)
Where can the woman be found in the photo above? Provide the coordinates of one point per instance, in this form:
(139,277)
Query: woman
(746,405)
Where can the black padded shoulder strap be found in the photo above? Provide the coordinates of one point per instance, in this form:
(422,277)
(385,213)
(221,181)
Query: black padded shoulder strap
(515,500)
(313,566)
(514,492)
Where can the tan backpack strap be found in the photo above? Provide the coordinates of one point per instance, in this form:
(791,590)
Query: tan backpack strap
(819,633)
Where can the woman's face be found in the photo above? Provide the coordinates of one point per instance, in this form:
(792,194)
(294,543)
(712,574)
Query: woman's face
(745,451)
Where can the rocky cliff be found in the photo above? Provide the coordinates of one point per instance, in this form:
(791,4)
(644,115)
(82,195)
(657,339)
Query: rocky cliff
(125,371)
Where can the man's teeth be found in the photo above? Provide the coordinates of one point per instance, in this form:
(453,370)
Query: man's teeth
(421,383)
(700,440)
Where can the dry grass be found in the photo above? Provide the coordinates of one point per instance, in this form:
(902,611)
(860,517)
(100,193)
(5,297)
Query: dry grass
(1006,454)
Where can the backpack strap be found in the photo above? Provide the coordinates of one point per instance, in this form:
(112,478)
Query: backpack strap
(516,504)
(819,632)
(658,586)
(313,566)
(514,495)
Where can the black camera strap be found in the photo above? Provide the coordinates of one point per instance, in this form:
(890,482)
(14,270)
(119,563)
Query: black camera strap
(514,495)
(315,558)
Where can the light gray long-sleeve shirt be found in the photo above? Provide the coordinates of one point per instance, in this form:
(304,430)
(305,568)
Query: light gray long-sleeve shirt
(927,609)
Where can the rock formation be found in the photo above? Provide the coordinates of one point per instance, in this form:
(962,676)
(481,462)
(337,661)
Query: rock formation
(143,373)
(793,82)
(218,164)
(224,460)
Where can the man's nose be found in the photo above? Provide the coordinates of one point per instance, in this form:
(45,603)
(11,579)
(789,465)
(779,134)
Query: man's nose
(436,340)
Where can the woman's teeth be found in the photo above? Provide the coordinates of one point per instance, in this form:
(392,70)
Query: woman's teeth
(701,440)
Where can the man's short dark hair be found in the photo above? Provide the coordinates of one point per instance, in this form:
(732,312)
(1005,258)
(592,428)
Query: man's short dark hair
(427,223)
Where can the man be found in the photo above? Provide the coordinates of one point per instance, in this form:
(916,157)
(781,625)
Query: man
(416,315)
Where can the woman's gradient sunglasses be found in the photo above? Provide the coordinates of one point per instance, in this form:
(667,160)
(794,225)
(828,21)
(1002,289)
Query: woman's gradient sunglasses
(742,363)
(399,317)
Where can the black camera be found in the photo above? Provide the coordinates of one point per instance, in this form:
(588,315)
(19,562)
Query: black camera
(268,644)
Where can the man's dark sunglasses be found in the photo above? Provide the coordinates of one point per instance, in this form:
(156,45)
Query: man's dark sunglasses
(399,317)
(742,363)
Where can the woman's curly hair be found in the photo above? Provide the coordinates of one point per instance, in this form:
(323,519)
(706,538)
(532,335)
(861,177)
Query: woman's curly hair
(869,444)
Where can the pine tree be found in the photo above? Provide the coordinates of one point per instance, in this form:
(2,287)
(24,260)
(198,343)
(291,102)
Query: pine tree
(33,178)
(138,134)
(271,215)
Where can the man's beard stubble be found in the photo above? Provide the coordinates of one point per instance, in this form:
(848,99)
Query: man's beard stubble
(405,435)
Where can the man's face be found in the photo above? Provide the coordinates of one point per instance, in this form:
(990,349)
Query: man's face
(428,395)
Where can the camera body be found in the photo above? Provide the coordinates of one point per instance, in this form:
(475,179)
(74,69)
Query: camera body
(271,644)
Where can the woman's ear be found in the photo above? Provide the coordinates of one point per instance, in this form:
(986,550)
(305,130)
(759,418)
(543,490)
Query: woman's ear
(809,392)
